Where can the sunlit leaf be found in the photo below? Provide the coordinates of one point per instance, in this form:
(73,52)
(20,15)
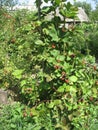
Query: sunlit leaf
(55,53)
(61,89)
(39,42)
(18,73)
(73,78)
(23,82)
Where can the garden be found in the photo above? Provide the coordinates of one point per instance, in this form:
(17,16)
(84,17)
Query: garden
(50,70)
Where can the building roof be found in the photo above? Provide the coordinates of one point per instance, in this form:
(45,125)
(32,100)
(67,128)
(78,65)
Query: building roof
(81,16)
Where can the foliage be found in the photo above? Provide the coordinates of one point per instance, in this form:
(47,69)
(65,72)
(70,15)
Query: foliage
(41,63)
(20,117)
(94,14)
(91,33)
(14,117)
(93,44)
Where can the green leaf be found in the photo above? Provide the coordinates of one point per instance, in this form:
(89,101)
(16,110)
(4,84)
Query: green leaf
(55,53)
(45,10)
(20,47)
(73,78)
(53,33)
(51,105)
(61,89)
(23,82)
(13,126)
(54,103)
(58,74)
(48,78)
(61,58)
(34,112)
(71,89)
(46,31)
(65,39)
(67,66)
(28,27)
(18,73)
(57,102)
(46,1)
(57,1)
(39,42)
(94,92)
(51,60)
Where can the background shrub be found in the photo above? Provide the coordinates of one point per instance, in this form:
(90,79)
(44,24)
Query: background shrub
(93,42)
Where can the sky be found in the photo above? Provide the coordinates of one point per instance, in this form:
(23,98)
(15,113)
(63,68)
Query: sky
(31,2)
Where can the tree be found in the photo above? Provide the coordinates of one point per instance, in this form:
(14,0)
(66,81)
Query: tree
(38,5)
(9,3)
(95,1)
(86,6)
(94,14)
